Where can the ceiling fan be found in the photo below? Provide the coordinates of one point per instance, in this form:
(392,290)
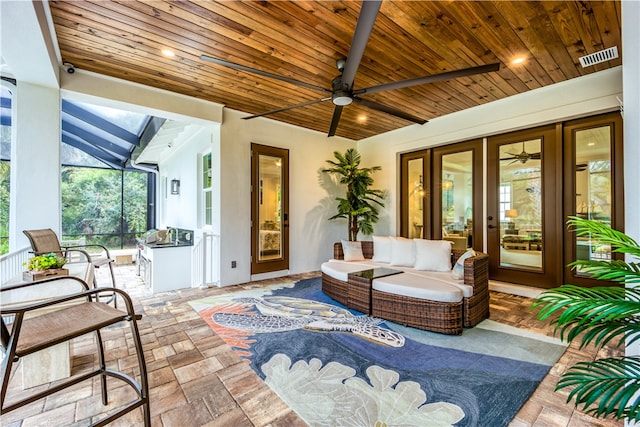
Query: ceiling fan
(342,92)
(522,157)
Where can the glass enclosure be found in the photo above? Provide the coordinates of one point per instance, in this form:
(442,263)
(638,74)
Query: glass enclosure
(416,197)
(593,186)
(520,205)
(457,198)
(103,206)
(270,207)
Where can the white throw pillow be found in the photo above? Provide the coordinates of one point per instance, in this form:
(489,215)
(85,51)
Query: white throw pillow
(381,249)
(352,251)
(433,255)
(403,251)
(458,269)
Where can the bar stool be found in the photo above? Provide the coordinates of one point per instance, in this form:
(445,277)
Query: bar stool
(33,327)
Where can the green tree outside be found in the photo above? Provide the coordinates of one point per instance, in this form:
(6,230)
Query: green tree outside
(92,205)
(5,168)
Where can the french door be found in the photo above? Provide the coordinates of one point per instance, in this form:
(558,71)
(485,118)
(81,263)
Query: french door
(593,187)
(457,201)
(535,180)
(442,194)
(524,207)
(269,209)
(415,187)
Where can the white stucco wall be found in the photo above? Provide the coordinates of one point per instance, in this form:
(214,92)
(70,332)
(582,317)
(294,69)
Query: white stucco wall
(311,197)
(181,210)
(631,97)
(579,97)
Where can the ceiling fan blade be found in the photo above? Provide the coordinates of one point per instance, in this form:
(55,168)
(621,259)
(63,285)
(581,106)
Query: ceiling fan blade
(366,19)
(290,107)
(429,79)
(262,73)
(389,110)
(337,112)
(535,156)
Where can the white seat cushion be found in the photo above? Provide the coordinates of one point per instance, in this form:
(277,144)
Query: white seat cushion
(340,269)
(467,291)
(417,286)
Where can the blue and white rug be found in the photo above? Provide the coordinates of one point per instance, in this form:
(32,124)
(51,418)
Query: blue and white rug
(337,367)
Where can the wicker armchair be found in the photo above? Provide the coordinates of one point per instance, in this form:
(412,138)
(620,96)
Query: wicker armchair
(34,326)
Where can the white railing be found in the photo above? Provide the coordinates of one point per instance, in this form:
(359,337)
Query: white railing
(205,259)
(12,264)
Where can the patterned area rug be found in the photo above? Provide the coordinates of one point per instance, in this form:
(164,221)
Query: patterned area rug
(337,367)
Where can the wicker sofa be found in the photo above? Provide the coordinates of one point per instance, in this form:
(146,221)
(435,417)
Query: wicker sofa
(448,311)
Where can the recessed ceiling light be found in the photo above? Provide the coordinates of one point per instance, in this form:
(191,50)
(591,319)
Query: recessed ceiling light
(362,118)
(169,53)
(518,60)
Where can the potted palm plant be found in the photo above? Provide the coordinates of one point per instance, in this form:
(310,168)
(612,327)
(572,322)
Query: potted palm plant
(607,386)
(360,204)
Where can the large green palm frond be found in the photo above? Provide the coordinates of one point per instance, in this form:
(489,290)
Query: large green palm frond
(599,315)
(614,270)
(611,384)
(602,314)
(604,234)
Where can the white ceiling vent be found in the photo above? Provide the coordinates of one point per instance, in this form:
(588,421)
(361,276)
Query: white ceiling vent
(598,57)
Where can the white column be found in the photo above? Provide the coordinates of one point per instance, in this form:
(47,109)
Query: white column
(35,162)
(631,98)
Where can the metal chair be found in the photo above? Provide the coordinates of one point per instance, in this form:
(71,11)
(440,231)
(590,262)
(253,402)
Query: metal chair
(32,327)
(46,241)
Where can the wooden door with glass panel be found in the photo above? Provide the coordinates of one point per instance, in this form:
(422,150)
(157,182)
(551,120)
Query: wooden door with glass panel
(593,190)
(524,212)
(269,209)
(457,178)
(415,202)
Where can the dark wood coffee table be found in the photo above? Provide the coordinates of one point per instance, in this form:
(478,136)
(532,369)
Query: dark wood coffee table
(359,289)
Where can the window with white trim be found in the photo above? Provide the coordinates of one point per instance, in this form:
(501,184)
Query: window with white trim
(207,194)
(505,199)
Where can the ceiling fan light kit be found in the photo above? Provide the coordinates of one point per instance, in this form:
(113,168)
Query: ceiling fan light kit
(341,98)
(342,92)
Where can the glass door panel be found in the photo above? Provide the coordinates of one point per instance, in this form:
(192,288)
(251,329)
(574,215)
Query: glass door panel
(456,183)
(593,186)
(269,209)
(520,204)
(416,195)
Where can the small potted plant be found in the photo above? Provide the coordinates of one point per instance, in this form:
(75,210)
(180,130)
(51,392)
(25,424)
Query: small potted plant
(46,265)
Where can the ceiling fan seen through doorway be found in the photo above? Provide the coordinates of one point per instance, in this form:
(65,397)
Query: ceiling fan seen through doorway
(342,92)
(522,157)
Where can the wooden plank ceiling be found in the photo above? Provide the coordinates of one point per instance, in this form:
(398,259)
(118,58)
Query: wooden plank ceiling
(304,39)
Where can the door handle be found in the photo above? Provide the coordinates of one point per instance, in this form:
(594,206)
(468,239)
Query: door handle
(491,226)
